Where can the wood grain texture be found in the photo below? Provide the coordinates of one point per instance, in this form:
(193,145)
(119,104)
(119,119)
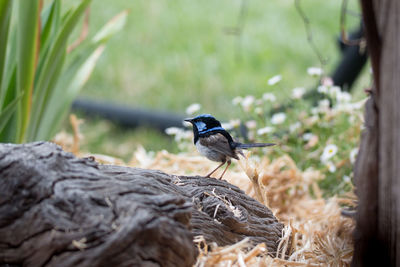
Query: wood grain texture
(389,130)
(366,181)
(378,165)
(59,210)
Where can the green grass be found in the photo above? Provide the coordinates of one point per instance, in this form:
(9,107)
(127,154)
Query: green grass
(108,139)
(174,53)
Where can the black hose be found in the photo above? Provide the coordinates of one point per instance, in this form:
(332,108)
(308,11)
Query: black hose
(126,116)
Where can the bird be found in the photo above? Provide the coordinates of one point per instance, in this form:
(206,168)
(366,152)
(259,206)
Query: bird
(215,143)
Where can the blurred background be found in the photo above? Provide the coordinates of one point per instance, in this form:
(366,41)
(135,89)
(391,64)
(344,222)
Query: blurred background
(171,54)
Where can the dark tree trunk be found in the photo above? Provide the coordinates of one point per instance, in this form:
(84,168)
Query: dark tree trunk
(59,210)
(377,171)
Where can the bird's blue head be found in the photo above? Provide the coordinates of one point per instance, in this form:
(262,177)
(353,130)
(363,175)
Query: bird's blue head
(204,124)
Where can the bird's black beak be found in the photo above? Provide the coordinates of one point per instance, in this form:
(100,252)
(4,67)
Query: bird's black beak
(189,120)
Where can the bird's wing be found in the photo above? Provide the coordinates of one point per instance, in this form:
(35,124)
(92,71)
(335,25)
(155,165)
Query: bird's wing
(218,143)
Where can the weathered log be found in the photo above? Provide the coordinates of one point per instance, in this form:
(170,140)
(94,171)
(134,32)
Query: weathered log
(59,210)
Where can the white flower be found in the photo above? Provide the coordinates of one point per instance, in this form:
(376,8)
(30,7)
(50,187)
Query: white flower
(258,102)
(346,107)
(251,124)
(269,97)
(258,110)
(193,108)
(187,135)
(265,130)
(179,133)
(294,126)
(235,123)
(353,155)
(343,97)
(329,152)
(346,179)
(274,80)
(322,89)
(227,125)
(334,90)
(313,71)
(278,118)
(312,120)
(323,104)
(307,136)
(172,130)
(237,100)
(327,81)
(331,166)
(298,92)
(314,110)
(247,102)
(250,135)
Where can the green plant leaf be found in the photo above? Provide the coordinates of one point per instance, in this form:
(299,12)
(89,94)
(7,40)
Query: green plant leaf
(111,27)
(37,87)
(50,19)
(27,45)
(5,15)
(9,134)
(8,89)
(10,70)
(8,111)
(10,92)
(49,75)
(76,74)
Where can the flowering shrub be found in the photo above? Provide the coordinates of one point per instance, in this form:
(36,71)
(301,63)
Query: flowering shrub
(324,137)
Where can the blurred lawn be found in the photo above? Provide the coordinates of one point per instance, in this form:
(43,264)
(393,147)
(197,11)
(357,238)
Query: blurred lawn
(174,53)
(101,136)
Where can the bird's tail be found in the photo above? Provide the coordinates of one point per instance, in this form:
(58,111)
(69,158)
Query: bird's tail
(245,146)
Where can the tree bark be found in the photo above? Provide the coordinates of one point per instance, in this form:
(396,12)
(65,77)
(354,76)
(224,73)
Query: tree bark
(59,210)
(377,170)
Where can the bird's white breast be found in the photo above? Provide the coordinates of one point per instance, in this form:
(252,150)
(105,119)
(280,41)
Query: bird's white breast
(208,153)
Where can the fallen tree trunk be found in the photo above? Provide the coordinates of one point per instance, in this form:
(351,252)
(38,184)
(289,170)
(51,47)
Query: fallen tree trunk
(59,210)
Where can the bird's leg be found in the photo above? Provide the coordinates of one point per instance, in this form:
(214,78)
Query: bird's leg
(227,165)
(208,175)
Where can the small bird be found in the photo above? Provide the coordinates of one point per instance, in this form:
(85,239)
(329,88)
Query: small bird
(215,143)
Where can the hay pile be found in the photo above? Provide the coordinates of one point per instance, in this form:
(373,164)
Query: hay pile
(315,232)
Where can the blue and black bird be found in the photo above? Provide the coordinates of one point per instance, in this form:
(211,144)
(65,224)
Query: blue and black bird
(215,143)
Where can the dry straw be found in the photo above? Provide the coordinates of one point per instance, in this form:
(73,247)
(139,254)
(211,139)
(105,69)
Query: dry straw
(315,232)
